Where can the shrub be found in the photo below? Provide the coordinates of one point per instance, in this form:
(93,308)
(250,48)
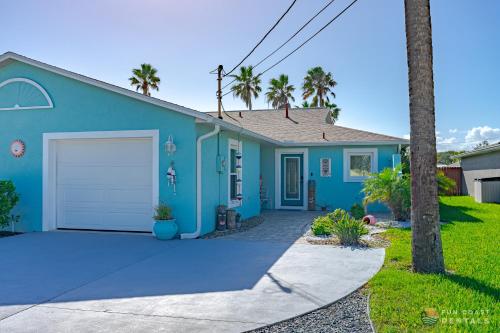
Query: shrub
(163,212)
(357,211)
(391,188)
(337,215)
(322,226)
(349,230)
(8,200)
(446,185)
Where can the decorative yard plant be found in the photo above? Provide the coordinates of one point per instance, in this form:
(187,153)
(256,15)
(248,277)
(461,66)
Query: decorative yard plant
(8,200)
(322,226)
(391,188)
(357,211)
(163,213)
(165,226)
(349,230)
(339,223)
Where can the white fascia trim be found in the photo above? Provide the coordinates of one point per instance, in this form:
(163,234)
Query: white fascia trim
(103,85)
(277,176)
(199,197)
(345,143)
(34,84)
(49,163)
(347,163)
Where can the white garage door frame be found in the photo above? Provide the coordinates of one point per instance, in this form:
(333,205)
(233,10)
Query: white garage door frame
(49,166)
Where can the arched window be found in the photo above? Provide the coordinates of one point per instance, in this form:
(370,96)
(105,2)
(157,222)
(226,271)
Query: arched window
(23,94)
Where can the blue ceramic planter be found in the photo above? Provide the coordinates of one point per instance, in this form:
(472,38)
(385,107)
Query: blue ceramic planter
(166,229)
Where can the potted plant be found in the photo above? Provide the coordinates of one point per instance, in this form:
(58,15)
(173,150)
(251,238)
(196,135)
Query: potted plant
(165,227)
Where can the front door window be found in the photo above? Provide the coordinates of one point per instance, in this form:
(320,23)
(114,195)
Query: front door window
(292,170)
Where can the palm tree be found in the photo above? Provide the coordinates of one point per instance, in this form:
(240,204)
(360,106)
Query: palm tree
(145,78)
(427,251)
(280,92)
(319,84)
(334,111)
(247,85)
(304,105)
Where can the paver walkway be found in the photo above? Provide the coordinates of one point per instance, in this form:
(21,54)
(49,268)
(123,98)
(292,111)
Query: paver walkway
(282,226)
(99,282)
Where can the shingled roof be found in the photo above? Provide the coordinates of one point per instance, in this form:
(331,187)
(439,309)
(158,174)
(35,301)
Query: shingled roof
(308,126)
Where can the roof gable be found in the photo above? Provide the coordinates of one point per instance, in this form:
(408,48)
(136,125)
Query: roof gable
(10,56)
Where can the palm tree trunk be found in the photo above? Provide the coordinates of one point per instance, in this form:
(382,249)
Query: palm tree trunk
(427,250)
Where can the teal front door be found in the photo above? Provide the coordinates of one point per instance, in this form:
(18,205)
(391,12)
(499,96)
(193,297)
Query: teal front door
(292,180)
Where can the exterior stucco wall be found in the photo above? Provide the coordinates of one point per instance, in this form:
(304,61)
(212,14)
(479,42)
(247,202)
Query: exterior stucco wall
(215,184)
(333,191)
(267,167)
(330,191)
(80,107)
(479,166)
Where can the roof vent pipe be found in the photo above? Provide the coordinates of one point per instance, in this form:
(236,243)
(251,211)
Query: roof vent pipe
(286,110)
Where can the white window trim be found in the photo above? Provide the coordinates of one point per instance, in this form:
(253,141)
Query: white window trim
(238,145)
(359,151)
(329,173)
(277,176)
(34,84)
(49,162)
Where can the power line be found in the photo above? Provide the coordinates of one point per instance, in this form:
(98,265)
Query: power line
(288,40)
(304,43)
(307,40)
(295,34)
(263,38)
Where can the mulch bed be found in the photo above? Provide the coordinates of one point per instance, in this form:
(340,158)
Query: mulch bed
(347,315)
(245,225)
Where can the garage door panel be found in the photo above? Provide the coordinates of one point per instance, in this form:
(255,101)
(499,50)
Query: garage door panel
(95,175)
(106,151)
(104,184)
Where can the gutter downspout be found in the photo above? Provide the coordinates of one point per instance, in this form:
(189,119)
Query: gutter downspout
(199,142)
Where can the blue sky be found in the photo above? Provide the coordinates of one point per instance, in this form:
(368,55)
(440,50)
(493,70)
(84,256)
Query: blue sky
(365,50)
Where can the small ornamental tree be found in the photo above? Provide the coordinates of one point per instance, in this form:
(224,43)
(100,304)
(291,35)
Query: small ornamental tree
(391,188)
(8,200)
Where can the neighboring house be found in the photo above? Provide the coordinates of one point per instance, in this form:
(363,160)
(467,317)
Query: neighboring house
(483,165)
(85,154)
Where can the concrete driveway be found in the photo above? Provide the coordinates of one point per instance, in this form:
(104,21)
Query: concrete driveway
(99,282)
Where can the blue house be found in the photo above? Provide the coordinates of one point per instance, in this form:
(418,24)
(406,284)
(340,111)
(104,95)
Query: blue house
(85,154)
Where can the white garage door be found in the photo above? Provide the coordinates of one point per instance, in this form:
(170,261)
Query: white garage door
(104,184)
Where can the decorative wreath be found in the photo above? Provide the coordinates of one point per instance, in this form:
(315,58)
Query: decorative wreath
(17,148)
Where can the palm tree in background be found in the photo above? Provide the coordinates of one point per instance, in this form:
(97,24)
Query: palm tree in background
(427,250)
(304,105)
(318,84)
(279,93)
(247,85)
(145,78)
(334,112)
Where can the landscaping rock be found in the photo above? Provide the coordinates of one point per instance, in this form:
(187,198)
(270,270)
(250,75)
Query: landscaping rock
(347,315)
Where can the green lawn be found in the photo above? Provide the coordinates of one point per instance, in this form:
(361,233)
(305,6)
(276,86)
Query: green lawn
(471,291)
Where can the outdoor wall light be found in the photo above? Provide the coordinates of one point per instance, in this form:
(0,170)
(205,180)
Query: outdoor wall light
(170,147)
